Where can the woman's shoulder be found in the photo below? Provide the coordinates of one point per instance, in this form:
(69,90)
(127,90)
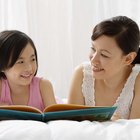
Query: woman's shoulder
(78,71)
(79,68)
(83,66)
(136,73)
(82,69)
(136,68)
(86,64)
(137,83)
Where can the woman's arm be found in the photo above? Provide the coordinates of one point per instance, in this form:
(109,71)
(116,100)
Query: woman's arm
(47,92)
(135,111)
(75,91)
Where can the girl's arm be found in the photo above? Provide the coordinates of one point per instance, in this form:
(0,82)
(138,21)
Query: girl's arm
(135,111)
(75,91)
(47,92)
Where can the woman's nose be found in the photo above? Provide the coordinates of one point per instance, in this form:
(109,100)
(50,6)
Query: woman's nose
(94,57)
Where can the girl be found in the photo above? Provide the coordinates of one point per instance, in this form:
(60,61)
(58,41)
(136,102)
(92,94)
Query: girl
(18,67)
(112,77)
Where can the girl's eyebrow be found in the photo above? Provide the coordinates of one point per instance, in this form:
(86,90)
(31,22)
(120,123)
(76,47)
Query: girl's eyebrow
(33,55)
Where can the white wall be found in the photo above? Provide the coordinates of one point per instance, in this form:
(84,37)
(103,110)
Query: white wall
(61,30)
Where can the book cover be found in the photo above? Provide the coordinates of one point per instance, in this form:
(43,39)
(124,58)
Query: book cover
(57,112)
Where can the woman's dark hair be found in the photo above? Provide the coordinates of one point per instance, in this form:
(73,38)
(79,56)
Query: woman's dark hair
(12,43)
(124,30)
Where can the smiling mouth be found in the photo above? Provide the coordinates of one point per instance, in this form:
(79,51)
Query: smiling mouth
(95,69)
(26,76)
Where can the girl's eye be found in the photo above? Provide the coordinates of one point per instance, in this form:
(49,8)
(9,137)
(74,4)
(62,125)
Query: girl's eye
(33,59)
(20,62)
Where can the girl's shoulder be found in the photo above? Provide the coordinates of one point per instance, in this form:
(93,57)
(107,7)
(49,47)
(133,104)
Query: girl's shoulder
(47,93)
(45,84)
(40,80)
(44,81)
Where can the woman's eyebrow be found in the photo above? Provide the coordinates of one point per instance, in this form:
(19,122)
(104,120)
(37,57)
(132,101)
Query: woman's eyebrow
(106,51)
(93,46)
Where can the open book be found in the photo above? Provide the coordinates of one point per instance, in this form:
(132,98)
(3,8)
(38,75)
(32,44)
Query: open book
(57,112)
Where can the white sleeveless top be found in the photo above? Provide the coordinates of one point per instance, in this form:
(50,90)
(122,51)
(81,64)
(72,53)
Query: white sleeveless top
(123,102)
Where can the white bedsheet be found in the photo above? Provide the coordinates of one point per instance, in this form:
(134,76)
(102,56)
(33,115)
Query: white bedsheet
(24,130)
(70,130)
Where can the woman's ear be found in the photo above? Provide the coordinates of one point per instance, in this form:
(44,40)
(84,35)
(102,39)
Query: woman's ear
(130,57)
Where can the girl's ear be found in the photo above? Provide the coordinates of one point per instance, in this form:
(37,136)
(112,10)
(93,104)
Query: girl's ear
(130,57)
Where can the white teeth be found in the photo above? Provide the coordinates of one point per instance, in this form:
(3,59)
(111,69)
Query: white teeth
(97,69)
(26,75)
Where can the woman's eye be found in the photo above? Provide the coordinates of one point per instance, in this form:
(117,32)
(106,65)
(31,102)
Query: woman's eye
(104,56)
(93,50)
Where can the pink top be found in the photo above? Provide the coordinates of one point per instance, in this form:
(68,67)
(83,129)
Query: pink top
(35,98)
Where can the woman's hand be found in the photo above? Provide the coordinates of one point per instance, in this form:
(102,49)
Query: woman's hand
(115,117)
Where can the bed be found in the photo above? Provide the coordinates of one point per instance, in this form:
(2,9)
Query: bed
(70,130)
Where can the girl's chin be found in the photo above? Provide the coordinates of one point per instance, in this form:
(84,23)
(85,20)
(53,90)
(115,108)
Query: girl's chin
(25,81)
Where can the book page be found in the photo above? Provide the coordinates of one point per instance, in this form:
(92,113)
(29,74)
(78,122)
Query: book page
(64,107)
(21,108)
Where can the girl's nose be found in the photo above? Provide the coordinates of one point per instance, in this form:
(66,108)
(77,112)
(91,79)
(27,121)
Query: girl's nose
(28,67)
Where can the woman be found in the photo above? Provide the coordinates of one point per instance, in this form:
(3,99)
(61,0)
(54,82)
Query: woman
(112,76)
